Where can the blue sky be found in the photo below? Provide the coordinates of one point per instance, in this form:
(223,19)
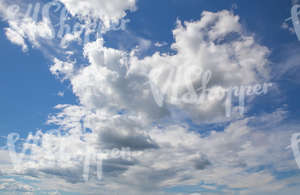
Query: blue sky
(96,96)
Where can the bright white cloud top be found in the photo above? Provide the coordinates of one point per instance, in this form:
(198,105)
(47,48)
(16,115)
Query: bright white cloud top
(110,12)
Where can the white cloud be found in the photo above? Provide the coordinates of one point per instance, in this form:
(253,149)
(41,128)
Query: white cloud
(42,31)
(24,28)
(215,43)
(109,11)
(15,187)
(179,156)
(62,68)
(16,38)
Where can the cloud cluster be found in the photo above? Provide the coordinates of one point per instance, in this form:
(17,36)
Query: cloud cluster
(24,28)
(116,80)
(166,157)
(36,23)
(117,110)
(11,185)
(216,43)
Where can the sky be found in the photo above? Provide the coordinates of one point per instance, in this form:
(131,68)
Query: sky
(133,97)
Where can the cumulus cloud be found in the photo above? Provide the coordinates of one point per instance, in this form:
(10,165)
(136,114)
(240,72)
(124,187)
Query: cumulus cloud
(109,11)
(105,84)
(216,43)
(117,110)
